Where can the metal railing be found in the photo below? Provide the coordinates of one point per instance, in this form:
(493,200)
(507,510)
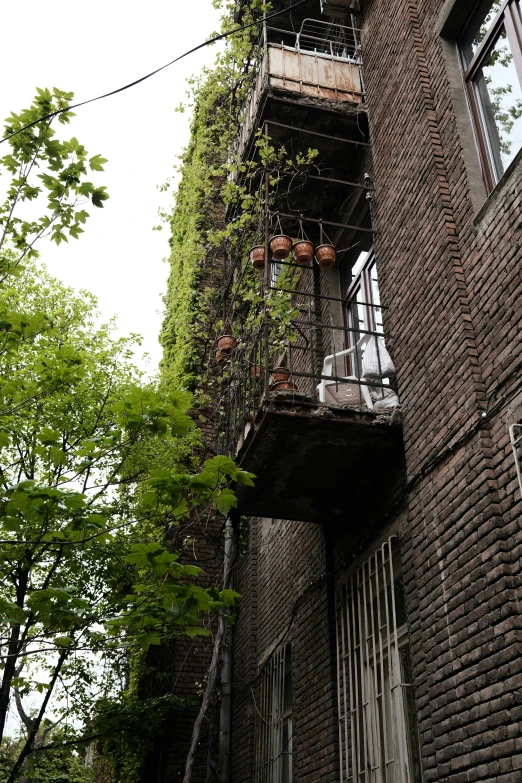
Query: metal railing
(299,349)
(317,36)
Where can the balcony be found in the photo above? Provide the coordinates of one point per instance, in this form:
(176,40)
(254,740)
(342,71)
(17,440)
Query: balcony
(310,408)
(320,65)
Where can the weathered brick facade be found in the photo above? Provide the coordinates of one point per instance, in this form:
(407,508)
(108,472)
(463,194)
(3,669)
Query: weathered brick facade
(449,266)
(450,279)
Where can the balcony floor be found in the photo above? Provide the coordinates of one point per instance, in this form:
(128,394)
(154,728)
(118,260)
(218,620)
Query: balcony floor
(321,463)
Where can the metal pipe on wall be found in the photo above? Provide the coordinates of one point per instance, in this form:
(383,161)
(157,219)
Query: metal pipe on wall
(225,711)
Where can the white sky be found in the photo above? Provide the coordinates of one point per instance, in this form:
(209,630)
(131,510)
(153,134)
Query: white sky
(92,48)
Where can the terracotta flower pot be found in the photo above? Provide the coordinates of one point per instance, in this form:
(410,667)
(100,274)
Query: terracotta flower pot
(227,343)
(325,255)
(284,386)
(281,374)
(280,246)
(221,357)
(303,251)
(257,256)
(257,371)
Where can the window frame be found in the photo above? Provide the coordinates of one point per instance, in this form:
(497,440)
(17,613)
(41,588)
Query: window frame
(507,18)
(360,293)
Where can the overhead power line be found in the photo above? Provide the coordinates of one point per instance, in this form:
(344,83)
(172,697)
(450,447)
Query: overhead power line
(153,73)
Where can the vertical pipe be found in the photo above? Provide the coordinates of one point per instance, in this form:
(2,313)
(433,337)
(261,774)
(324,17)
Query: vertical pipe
(225,712)
(268,262)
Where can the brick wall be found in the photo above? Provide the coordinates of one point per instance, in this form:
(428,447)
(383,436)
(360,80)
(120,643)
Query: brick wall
(282,576)
(451,280)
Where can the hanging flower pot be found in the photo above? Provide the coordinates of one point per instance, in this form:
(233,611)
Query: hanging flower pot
(221,357)
(325,255)
(284,386)
(257,256)
(280,246)
(303,251)
(257,372)
(227,343)
(281,374)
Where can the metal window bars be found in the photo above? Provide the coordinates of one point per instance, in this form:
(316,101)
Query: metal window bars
(374,740)
(273,739)
(515,434)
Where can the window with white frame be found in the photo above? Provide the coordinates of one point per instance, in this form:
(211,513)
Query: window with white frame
(378,736)
(274,728)
(515,433)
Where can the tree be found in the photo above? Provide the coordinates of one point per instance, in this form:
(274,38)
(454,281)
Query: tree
(40,167)
(63,765)
(95,465)
(83,571)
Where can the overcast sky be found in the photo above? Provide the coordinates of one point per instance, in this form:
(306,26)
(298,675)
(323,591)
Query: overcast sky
(92,48)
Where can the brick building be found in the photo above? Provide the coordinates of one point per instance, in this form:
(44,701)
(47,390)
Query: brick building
(379,631)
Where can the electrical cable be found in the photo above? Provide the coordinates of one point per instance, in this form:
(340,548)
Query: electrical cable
(216,38)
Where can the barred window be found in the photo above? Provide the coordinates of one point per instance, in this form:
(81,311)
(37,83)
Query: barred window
(378,735)
(274,720)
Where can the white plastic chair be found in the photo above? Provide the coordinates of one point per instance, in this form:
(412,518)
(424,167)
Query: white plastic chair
(345,393)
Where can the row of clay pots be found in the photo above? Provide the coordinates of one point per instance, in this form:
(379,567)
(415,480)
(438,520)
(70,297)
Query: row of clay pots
(282,380)
(303,252)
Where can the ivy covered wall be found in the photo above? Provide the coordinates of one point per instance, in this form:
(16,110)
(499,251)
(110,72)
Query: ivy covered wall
(217,98)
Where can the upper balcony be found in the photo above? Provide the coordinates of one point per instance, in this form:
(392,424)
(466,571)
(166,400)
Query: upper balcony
(318,66)
(310,405)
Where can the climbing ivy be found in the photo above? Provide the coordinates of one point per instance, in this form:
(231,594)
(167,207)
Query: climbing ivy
(216,97)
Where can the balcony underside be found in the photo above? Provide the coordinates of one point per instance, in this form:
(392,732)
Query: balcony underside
(320,463)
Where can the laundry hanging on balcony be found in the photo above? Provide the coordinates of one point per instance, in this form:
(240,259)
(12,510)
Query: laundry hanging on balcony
(377,363)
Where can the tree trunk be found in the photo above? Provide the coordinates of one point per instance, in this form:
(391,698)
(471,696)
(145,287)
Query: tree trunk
(28,747)
(13,651)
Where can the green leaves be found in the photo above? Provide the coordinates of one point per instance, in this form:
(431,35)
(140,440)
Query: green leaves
(225,500)
(43,169)
(96,163)
(99,196)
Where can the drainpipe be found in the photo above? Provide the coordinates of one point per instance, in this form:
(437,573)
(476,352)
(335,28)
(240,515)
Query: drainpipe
(225,713)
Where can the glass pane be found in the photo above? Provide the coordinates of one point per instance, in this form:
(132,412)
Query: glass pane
(500,100)
(359,263)
(375,299)
(477,28)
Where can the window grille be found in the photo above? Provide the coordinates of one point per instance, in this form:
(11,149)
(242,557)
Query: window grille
(377,730)
(515,433)
(274,720)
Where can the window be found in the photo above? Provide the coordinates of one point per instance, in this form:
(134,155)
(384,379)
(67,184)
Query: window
(491,54)
(515,433)
(274,720)
(378,736)
(362,305)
